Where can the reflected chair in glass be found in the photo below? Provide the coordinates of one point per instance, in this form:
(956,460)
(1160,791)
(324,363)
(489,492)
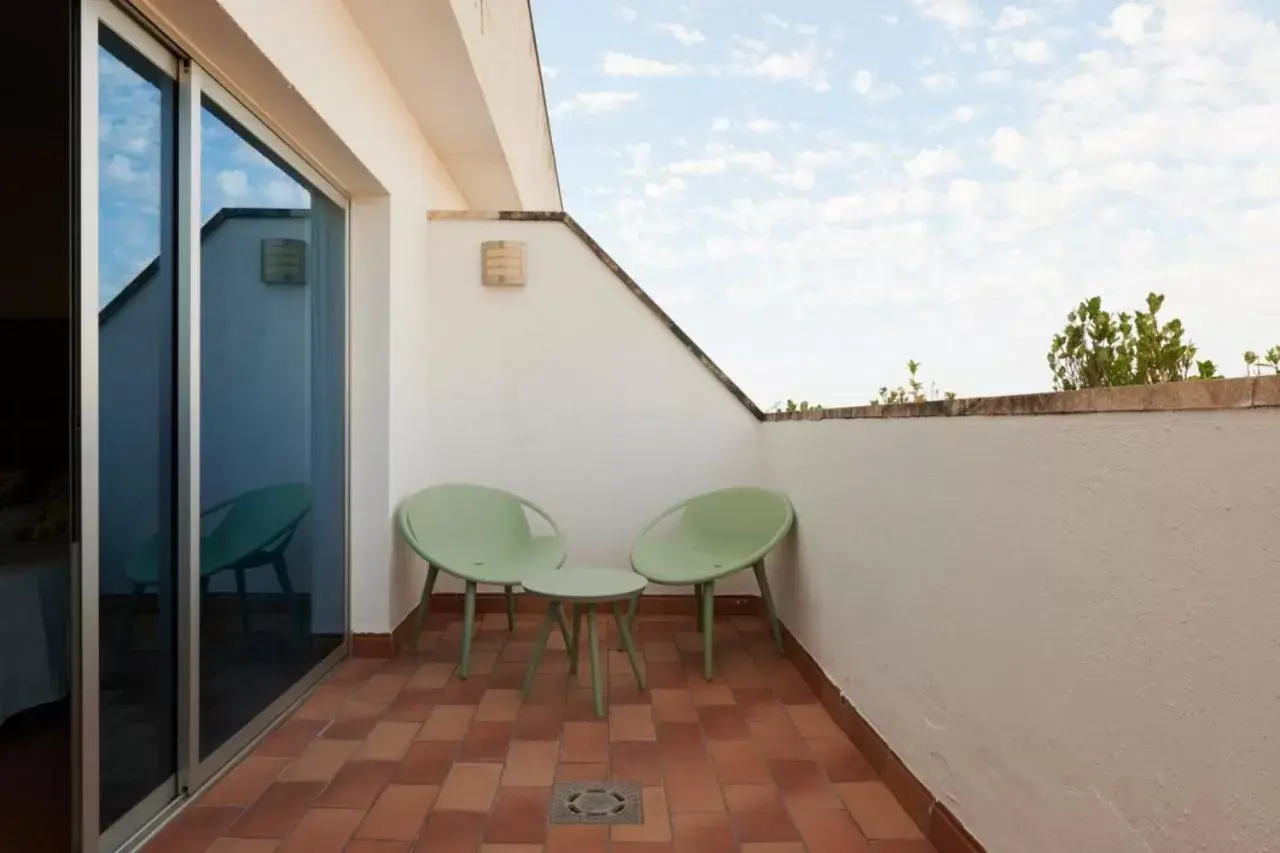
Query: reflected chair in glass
(255,530)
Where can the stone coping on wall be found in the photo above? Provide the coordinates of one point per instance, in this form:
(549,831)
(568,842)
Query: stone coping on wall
(1190,396)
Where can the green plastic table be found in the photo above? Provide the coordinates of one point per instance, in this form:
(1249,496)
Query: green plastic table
(584,588)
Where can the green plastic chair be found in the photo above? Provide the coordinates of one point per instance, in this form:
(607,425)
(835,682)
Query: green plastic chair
(717,534)
(255,529)
(478,534)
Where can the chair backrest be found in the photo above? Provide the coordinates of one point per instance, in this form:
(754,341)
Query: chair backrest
(739,521)
(457,525)
(258,519)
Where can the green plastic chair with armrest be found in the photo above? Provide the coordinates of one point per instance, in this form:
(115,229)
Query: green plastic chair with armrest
(712,536)
(481,535)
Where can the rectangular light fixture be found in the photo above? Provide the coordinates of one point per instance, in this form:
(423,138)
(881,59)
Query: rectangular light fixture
(502,263)
(284,260)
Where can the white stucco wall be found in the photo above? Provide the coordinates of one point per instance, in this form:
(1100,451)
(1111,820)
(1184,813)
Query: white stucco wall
(500,40)
(568,391)
(1066,626)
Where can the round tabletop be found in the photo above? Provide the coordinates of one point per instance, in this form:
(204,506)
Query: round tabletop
(585,584)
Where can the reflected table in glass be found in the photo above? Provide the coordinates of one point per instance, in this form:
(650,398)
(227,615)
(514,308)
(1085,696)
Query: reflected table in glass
(584,588)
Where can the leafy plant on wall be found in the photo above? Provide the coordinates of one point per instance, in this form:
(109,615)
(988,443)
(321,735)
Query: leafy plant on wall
(792,406)
(1255,365)
(912,392)
(1098,349)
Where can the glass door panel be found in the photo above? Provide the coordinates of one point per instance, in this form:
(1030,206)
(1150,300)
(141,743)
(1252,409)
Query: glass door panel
(272,458)
(135,355)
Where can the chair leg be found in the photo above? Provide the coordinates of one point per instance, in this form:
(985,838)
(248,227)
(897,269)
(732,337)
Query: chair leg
(596,688)
(564,627)
(708,627)
(573,639)
(627,643)
(468,627)
(242,597)
(553,615)
(126,634)
(774,625)
(511,607)
(698,592)
(424,603)
(282,577)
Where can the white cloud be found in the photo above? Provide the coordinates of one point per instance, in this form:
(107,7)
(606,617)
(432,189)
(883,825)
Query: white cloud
(711,166)
(120,171)
(963,194)
(615,64)
(790,26)
(1129,22)
(1008,147)
(964,113)
(682,33)
(595,102)
(625,13)
(762,125)
(669,188)
(233,184)
(931,162)
(938,82)
(803,65)
(550,73)
(1033,51)
(1012,18)
(866,85)
(956,14)
(720,125)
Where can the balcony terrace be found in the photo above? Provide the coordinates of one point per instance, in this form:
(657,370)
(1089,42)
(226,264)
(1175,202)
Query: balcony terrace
(1035,623)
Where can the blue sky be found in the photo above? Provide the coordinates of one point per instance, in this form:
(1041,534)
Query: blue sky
(820,190)
(233,173)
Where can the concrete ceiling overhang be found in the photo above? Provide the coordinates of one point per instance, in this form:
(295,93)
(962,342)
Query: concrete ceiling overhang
(421,46)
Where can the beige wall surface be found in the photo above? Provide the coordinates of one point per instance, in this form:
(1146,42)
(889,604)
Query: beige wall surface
(570,391)
(1065,626)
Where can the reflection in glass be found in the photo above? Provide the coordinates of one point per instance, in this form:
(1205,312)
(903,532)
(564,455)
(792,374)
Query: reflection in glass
(271,428)
(136,343)
(35,433)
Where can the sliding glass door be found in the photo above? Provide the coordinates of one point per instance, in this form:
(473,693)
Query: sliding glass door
(272,356)
(136,377)
(212,333)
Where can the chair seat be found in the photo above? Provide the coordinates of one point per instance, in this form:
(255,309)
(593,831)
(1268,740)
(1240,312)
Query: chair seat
(672,561)
(142,568)
(540,553)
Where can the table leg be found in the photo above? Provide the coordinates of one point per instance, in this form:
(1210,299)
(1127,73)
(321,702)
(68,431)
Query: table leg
(468,627)
(708,627)
(595,660)
(627,643)
(553,610)
(633,610)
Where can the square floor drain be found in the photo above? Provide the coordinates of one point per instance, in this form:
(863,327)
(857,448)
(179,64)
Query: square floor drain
(597,803)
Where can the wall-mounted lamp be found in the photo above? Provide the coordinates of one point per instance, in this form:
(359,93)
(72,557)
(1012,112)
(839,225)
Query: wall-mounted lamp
(502,263)
(284,260)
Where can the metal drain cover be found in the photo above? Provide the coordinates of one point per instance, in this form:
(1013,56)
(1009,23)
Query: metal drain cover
(597,803)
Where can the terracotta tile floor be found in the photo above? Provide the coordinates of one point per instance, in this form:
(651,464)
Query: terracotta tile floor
(401,756)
